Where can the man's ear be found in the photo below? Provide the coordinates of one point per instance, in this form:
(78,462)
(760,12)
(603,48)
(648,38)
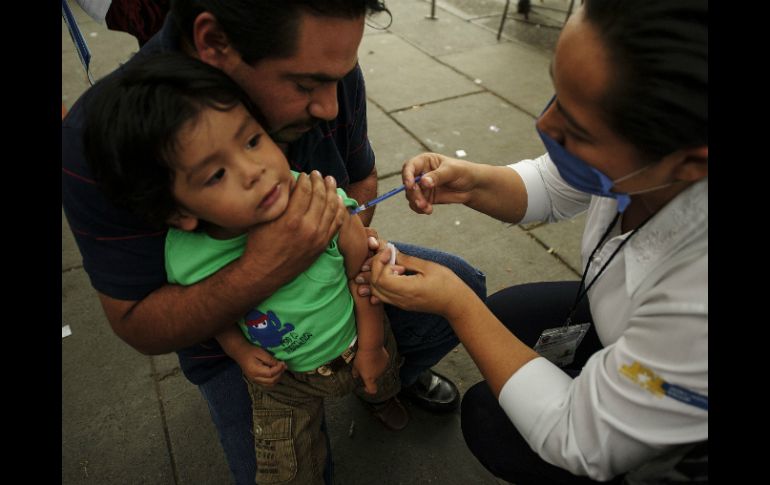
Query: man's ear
(689,164)
(211,43)
(182,220)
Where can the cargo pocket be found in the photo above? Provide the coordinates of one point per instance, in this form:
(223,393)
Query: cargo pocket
(274,446)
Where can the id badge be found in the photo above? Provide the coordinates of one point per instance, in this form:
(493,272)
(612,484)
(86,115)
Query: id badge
(560,344)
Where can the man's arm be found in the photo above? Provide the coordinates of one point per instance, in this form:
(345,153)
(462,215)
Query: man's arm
(363,191)
(173,317)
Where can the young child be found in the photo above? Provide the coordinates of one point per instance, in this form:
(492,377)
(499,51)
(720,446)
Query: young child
(178,143)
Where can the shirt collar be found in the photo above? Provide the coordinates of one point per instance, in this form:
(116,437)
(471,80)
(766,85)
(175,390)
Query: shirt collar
(681,222)
(167,39)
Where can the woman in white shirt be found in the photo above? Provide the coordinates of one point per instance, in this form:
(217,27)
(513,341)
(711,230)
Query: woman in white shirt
(627,140)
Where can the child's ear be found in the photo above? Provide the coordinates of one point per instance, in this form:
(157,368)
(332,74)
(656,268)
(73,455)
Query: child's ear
(182,220)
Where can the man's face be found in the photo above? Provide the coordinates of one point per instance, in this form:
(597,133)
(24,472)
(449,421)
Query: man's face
(297,92)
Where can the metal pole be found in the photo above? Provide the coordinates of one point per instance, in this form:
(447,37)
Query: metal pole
(502,20)
(432,15)
(569,11)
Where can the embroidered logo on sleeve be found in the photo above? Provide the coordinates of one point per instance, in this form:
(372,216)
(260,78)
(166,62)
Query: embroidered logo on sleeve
(653,383)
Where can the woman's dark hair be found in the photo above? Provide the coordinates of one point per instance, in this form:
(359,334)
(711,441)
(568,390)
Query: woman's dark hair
(658,96)
(261,29)
(132,123)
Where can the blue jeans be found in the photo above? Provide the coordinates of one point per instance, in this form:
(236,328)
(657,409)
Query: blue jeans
(423,340)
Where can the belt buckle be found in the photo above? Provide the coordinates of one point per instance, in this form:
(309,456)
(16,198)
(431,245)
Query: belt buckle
(324,370)
(329,368)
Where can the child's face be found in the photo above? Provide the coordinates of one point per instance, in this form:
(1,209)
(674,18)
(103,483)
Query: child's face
(229,173)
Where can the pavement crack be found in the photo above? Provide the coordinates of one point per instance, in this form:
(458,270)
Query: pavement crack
(551,251)
(172,373)
(163,419)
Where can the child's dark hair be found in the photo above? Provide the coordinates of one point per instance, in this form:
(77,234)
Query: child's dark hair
(658,97)
(133,118)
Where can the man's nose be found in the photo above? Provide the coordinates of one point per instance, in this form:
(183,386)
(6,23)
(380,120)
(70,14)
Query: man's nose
(324,103)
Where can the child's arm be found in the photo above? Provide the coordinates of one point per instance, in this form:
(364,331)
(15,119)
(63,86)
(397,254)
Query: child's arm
(253,360)
(371,359)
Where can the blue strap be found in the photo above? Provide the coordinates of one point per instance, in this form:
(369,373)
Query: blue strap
(77,38)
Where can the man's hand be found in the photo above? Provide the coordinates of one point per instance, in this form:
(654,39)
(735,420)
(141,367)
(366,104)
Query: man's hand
(288,245)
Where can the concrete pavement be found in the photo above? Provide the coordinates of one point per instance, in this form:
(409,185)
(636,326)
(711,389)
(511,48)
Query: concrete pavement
(444,85)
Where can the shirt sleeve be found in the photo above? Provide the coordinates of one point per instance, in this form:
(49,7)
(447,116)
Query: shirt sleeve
(549,197)
(122,256)
(604,423)
(349,203)
(359,158)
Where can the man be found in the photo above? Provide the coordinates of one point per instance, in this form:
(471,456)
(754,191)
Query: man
(298,62)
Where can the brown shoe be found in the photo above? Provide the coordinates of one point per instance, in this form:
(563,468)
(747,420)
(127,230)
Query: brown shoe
(391,413)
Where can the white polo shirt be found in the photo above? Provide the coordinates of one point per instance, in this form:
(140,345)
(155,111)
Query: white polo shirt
(650,310)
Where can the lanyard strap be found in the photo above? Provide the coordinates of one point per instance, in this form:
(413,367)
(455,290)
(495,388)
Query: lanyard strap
(583,292)
(77,37)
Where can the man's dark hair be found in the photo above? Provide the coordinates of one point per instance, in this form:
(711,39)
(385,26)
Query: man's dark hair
(658,50)
(132,123)
(260,29)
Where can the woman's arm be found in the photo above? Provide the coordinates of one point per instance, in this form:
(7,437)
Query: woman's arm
(432,288)
(602,423)
(496,191)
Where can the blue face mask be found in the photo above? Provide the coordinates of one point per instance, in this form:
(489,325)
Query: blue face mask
(582,176)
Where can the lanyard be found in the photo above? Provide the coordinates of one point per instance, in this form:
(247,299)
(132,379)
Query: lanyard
(584,292)
(77,38)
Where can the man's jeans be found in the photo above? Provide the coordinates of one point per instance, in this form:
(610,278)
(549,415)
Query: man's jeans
(423,340)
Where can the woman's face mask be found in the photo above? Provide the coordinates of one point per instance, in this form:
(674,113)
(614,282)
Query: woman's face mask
(584,177)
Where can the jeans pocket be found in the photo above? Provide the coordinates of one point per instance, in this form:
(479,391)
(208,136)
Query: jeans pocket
(274,446)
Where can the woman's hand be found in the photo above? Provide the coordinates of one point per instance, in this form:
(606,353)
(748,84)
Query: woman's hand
(362,279)
(417,285)
(445,180)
